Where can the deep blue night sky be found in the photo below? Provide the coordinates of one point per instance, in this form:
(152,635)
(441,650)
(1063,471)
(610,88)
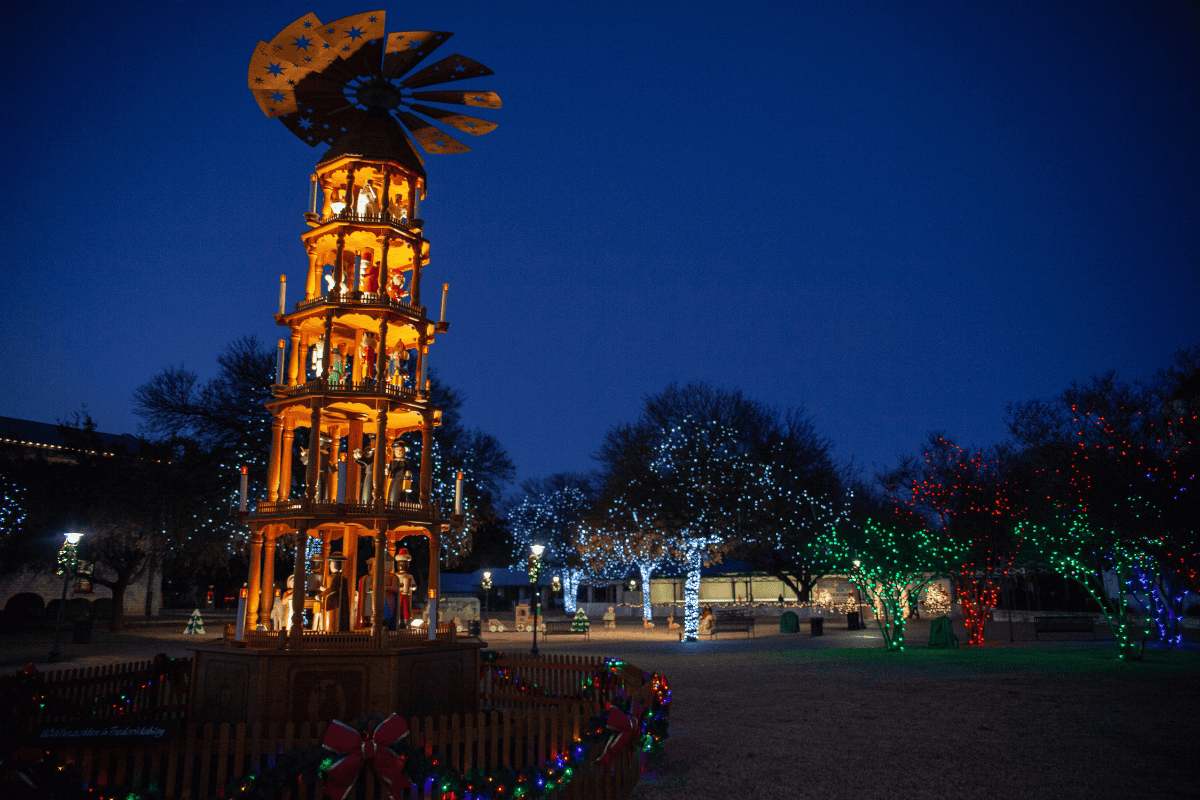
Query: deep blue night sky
(900,218)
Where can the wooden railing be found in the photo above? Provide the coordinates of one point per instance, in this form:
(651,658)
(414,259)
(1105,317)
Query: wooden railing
(339,640)
(363,299)
(414,511)
(376,217)
(326,386)
(139,691)
(207,759)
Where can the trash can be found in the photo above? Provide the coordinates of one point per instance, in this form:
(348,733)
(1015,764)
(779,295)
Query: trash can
(474,627)
(789,622)
(817,624)
(852,621)
(81,630)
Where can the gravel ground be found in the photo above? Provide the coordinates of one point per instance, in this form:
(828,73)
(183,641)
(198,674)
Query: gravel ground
(831,717)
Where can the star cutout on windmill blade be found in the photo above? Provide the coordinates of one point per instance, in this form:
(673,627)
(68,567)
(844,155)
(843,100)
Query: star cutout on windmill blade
(370,19)
(302,43)
(354,32)
(306,123)
(308,24)
(277,97)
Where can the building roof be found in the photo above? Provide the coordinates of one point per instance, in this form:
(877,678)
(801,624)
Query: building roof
(44,435)
(376,136)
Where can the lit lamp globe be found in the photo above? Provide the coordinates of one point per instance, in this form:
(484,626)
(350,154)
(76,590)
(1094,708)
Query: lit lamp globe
(538,549)
(72,538)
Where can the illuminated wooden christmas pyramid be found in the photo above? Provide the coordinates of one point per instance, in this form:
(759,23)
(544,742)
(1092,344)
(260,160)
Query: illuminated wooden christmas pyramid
(352,453)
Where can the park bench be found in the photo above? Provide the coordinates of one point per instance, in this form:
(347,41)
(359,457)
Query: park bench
(1064,625)
(727,621)
(562,627)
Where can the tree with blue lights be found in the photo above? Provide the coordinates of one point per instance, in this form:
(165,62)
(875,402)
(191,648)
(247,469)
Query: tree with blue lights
(682,471)
(547,514)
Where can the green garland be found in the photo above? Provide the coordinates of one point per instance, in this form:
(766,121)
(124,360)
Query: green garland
(306,766)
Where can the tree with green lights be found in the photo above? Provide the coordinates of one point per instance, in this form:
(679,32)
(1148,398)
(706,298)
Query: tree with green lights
(890,560)
(968,499)
(1113,465)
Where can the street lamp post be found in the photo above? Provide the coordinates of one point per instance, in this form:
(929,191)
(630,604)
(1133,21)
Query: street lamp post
(535,566)
(487,590)
(67,561)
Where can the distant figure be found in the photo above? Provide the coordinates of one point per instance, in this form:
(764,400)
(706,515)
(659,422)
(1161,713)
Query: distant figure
(610,619)
(707,620)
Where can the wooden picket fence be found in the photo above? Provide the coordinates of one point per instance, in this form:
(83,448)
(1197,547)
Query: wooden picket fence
(115,693)
(523,680)
(530,725)
(207,759)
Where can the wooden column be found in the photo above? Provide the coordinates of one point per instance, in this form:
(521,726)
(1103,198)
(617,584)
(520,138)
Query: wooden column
(353,474)
(326,199)
(337,267)
(327,348)
(426,487)
(381,376)
(351,204)
(293,376)
(299,586)
(335,451)
(267,592)
(313,287)
(384,243)
(350,570)
(314,453)
(414,290)
(273,464)
(285,460)
(255,578)
(377,591)
(378,489)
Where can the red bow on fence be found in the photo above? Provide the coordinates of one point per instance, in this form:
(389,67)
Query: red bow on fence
(357,751)
(623,726)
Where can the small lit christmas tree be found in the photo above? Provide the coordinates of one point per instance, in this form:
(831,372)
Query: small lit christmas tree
(195,624)
(580,623)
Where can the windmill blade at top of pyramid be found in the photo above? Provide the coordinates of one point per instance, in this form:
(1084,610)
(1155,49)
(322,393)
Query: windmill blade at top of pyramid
(320,110)
(434,140)
(300,44)
(477,99)
(451,68)
(405,50)
(357,40)
(272,80)
(471,125)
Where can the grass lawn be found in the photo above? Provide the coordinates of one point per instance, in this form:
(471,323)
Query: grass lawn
(1064,720)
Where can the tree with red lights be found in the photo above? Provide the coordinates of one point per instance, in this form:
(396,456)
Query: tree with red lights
(967,499)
